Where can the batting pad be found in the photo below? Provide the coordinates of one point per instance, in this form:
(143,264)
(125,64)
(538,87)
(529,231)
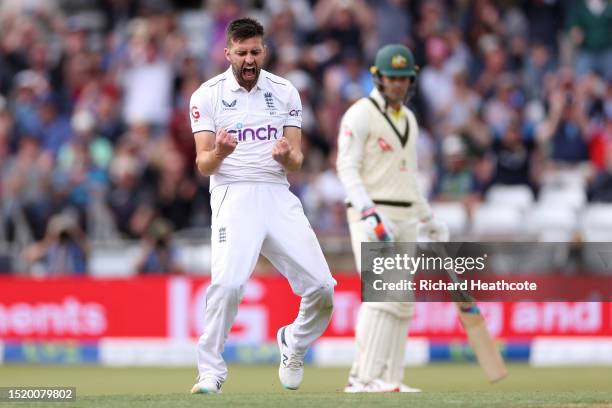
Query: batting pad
(376,337)
(394,373)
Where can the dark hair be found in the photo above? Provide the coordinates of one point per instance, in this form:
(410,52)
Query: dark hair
(242,29)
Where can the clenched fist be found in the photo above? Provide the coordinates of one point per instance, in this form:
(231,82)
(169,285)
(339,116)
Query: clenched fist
(281,151)
(225,143)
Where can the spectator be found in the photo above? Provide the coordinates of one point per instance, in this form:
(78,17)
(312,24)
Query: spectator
(514,152)
(590,29)
(601,140)
(324,199)
(63,250)
(456,181)
(28,186)
(600,189)
(158,254)
(174,190)
(344,26)
(494,58)
(539,63)
(99,149)
(436,79)
(54,127)
(565,133)
(432,23)
(127,199)
(147,65)
(357,79)
(462,106)
(393,22)
(543,19)
(180,131)
(484,20)
(502,105)
(29,87)
(107,116)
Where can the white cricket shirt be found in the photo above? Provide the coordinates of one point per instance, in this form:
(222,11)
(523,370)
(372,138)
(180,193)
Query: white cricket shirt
(255,117)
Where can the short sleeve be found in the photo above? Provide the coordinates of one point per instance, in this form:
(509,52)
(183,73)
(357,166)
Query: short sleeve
(294,114)
(200,111)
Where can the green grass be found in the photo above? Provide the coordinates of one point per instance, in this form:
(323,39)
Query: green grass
(454,385)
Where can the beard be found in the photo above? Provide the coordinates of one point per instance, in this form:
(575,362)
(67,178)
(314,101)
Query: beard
(393,98)
(246,77)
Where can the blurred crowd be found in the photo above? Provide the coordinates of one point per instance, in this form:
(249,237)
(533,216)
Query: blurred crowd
(95,141)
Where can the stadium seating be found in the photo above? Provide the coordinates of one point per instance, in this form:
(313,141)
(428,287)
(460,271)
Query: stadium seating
(497,221)
(551,222)
(570,195)
(596,223)
(519,196)
(454,215)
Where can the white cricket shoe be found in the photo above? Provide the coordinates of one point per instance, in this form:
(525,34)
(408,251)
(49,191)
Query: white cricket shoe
(407,388)
(376,385)
(291,369)
(207,386)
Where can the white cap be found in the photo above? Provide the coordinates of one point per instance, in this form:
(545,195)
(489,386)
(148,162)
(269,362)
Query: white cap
(83,121)
(452,144)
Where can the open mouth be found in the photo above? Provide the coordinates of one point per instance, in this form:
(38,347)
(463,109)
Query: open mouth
(249,73)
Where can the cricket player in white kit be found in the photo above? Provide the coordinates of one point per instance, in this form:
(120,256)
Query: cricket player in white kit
(377,164)
(246,122)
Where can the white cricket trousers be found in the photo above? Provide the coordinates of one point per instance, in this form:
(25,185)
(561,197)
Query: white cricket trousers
(248,219)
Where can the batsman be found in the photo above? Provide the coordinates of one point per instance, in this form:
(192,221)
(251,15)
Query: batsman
(377,164)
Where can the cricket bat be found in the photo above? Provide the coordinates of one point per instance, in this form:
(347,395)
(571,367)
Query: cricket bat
(486,351)
(487,354)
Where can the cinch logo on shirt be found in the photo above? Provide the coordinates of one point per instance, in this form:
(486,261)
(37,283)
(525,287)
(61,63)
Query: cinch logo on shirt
(262,133)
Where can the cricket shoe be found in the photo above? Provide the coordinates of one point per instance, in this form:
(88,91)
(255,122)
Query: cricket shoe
(291,369)
(207,386)
(407,388)
(375,385)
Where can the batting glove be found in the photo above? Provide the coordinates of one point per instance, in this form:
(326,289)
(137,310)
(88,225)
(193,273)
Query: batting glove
(435,230)
(376,226)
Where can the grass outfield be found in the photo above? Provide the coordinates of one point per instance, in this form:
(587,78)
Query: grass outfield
(455,385)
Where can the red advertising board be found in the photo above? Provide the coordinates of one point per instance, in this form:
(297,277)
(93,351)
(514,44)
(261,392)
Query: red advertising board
(85,308)
(82,308)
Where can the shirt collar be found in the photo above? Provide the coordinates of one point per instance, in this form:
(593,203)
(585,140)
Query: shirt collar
(235,86)
(377,96)
(380,100)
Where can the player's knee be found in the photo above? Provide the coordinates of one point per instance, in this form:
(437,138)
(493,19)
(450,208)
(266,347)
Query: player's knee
(226,293)
(324,296)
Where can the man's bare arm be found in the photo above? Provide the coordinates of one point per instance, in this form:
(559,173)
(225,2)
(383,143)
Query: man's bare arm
(211,149)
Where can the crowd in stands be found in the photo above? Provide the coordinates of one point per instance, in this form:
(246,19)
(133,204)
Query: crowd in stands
(95,136)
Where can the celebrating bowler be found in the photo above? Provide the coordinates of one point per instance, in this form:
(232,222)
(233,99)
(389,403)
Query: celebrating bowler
(246,122)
